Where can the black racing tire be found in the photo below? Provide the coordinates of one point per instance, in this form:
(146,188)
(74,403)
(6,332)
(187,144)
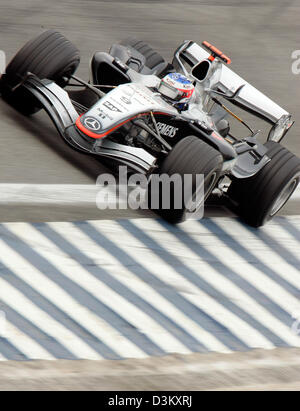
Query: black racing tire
(189,156)
(50,55)
(153,59)
(258,199)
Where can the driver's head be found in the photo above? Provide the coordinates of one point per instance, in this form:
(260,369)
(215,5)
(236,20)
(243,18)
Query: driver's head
(177,87)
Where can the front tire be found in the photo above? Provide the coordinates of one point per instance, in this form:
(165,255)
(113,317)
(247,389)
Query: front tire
(261,197)
(50,55)
(190,156)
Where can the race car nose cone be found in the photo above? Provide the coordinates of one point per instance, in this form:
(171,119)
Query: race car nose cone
(90,126)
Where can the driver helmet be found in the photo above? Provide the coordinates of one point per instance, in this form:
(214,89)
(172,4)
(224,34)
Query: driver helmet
(177,87)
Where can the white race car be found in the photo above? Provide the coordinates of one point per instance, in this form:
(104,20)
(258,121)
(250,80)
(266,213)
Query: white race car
(161,118)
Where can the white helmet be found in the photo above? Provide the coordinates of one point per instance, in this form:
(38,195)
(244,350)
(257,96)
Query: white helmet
(177,87)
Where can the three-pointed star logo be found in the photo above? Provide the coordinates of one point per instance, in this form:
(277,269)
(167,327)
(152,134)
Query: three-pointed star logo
(92,124)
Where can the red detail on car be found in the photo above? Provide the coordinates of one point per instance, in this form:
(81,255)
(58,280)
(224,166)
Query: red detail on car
(91,134)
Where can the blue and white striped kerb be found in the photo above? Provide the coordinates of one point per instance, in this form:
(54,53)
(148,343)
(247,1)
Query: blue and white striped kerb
(139,288)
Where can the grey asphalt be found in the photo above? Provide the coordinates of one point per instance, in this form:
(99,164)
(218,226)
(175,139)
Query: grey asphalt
(259,37)
(258,370)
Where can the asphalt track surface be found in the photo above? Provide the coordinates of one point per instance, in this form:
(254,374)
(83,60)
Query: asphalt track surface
(259,37)
(259,370)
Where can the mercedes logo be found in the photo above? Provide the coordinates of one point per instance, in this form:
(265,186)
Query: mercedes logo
(92,124)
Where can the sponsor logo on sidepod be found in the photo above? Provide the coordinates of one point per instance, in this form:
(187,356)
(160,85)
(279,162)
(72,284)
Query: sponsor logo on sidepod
(166,130)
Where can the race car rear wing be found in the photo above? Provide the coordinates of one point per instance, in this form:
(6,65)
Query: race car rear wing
(247,97)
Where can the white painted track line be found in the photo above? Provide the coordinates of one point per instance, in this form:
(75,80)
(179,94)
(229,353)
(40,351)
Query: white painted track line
(62,194)
(27,345)
(54,194)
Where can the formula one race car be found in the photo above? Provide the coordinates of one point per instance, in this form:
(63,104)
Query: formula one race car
(160,118)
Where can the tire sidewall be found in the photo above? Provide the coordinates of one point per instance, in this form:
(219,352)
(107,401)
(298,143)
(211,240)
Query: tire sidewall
(268,215)
(254,198)
(190,156)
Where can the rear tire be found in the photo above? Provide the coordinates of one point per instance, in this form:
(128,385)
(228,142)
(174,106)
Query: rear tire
(50,55)
(261,197)
(154,61)
(189,156)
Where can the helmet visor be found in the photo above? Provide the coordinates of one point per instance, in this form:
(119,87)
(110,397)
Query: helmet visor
(169,91)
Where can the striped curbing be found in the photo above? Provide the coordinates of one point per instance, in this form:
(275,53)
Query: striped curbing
(140,288)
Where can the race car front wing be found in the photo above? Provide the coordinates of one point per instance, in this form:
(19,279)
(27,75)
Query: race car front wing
(59,107)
